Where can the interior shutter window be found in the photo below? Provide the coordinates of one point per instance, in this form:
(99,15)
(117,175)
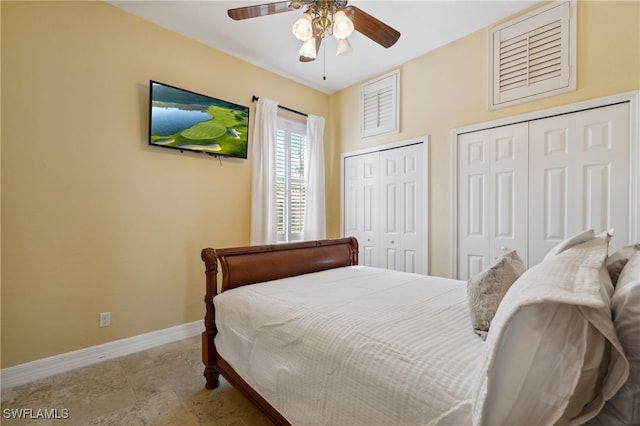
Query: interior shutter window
(533,56)
(291,191)
(298,190)
(379,103)
(280,183)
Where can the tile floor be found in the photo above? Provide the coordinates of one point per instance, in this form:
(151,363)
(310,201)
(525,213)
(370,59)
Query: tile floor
(160,386)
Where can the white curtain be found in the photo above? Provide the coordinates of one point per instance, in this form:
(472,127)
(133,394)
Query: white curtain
(314,212)
(263,177)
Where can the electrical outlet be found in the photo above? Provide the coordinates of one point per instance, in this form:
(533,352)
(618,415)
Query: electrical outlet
(105,319)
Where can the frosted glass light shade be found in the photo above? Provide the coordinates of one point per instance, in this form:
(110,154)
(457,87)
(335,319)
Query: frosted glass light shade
(342,46)
(342,25)
(303,27)
(308,49)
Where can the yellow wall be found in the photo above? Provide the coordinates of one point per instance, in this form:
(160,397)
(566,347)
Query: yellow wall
(93,218)
(447,88)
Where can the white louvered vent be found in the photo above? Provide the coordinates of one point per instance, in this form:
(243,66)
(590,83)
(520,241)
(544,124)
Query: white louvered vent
(379,106)
(533,56)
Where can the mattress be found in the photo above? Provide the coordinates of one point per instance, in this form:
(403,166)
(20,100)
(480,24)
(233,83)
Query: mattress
(354,346)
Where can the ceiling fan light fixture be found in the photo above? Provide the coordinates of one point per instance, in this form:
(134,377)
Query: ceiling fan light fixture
(342,46)
(342,25)
(322,18)
(308,49)
(303,27)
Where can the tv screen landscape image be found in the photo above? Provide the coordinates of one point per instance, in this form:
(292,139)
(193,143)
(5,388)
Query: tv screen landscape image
(188,121)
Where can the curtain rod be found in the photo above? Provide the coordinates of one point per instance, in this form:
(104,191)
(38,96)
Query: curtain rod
(255,99)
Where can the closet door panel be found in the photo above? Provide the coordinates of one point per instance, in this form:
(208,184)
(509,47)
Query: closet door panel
(361,204)
(492,197)
(508,197)
(413,222)
(579,172)
(391,184)
(473,243)
(403,215)
(554,205)
(552,161)
(602,137)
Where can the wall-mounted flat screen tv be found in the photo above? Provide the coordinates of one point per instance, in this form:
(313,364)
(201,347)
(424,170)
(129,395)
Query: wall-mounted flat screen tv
(188,121)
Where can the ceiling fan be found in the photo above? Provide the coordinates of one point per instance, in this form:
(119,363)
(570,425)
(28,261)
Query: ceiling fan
(323,17)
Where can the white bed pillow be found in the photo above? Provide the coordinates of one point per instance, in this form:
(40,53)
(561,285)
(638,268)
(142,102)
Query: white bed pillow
(624,407)
(556,307)
(573,240)
(486,289)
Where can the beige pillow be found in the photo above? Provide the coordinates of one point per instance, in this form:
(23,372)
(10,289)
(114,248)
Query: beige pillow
(576,239)
(617,260)
(486,289)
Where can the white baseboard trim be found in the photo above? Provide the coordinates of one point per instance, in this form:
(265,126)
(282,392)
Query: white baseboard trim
(39,369)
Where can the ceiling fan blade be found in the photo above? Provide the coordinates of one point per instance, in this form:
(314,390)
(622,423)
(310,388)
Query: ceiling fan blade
(318,43)
(247,12)
(373,28)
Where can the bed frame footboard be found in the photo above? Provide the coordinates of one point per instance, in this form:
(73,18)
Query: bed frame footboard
(256,264)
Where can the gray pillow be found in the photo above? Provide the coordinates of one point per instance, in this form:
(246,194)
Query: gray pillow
(486,289)
(617,260)
(624,407)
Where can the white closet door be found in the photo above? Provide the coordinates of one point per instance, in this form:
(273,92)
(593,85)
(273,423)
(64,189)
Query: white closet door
(603,134)
(492,196)
(552,161)
(474,247)
(579,177)
(385,207)
(361,204)
(402,214)
(508,198)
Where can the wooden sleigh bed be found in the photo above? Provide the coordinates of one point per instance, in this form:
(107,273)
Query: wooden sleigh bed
(368,363)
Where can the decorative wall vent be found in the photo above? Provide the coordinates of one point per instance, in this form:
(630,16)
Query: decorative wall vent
(379,106)
(533,56)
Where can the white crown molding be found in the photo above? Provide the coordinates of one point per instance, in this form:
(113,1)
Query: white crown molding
(42,368)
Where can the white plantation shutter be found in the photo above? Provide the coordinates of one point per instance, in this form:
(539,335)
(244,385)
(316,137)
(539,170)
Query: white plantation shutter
(297,186)
(379,112)
(533,56)
(281,171)
(290,182)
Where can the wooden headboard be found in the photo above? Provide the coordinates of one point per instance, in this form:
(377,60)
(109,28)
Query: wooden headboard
(250,265)
(255,264)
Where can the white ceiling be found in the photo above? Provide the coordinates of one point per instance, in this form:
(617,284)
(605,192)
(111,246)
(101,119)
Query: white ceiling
(268,42)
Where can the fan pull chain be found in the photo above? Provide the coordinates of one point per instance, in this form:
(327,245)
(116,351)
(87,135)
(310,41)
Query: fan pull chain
(324,61)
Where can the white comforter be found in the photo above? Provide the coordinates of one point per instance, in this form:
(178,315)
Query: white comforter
(354,346)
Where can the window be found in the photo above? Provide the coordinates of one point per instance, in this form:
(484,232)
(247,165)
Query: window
(291,138)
